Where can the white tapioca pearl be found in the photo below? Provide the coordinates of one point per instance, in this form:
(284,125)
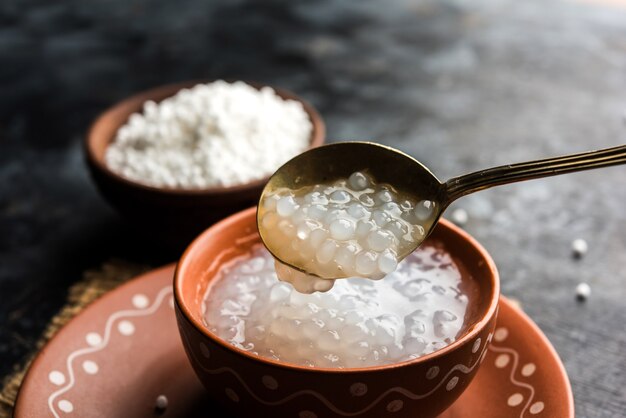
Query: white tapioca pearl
(345,256)
(286,206)
(406,205)
(328,314)
(279,291)
(340,197)
(444,330)
(384,196)
(379,240)
(444,316)
(393,350)
(299,216)
(414,328)
(363,228)
(287,228)
(392,208)
(327,190)
(269,203)
(306,349)
(312,328)
(317,212)
(269,221)
(335,323)
(359,348)
(342,229)
(367,199)
(311,309)
(277,326)
(297,299)
(317,236)
(306,251)
(333,215)
(328,340)
(424,210)
(376,355)
(380,217)
(350,301)
(358,181)
(306,227)
(326,251)
(256,333)
(398,228)
(417,233)
(366,262)
(414,345)
(292,328)
(316,198)
(227,321)
(385,327)
(354,332)
(414,317)
(387,261)
(358,211)
(354,317)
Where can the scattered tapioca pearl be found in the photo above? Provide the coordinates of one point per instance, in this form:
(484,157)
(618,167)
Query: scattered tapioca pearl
(459,216)
(161,402)
(349,227)
(583,291)
(358,323)
(579,248)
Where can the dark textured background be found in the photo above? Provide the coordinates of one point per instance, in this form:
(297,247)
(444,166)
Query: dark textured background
(462,85)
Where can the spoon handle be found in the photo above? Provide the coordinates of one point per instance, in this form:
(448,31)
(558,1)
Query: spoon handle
(480,180)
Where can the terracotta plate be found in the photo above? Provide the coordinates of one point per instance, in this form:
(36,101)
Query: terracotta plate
(124,351)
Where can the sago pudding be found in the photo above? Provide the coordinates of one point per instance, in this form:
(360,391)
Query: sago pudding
(349,227)
(420,307)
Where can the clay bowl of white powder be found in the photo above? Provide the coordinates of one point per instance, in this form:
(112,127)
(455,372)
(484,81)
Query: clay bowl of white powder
(176,158)
(404,346)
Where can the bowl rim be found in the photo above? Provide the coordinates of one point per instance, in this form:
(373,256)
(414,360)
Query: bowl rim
(477,327)
(317,138)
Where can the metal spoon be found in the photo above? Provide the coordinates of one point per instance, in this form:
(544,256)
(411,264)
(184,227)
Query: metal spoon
(327,163)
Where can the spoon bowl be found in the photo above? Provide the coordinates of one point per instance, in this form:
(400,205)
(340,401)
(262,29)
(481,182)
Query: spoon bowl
(331,162)
(407,176)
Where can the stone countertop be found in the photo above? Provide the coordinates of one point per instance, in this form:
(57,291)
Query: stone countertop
(461,85)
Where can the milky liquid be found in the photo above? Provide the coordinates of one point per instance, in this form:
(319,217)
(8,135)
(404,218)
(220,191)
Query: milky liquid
(417,309)
(352,227)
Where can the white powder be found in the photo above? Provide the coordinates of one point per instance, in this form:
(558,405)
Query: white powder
(216,134)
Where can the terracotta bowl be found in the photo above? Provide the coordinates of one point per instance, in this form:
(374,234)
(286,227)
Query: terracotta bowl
(178,214)
(250,386)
